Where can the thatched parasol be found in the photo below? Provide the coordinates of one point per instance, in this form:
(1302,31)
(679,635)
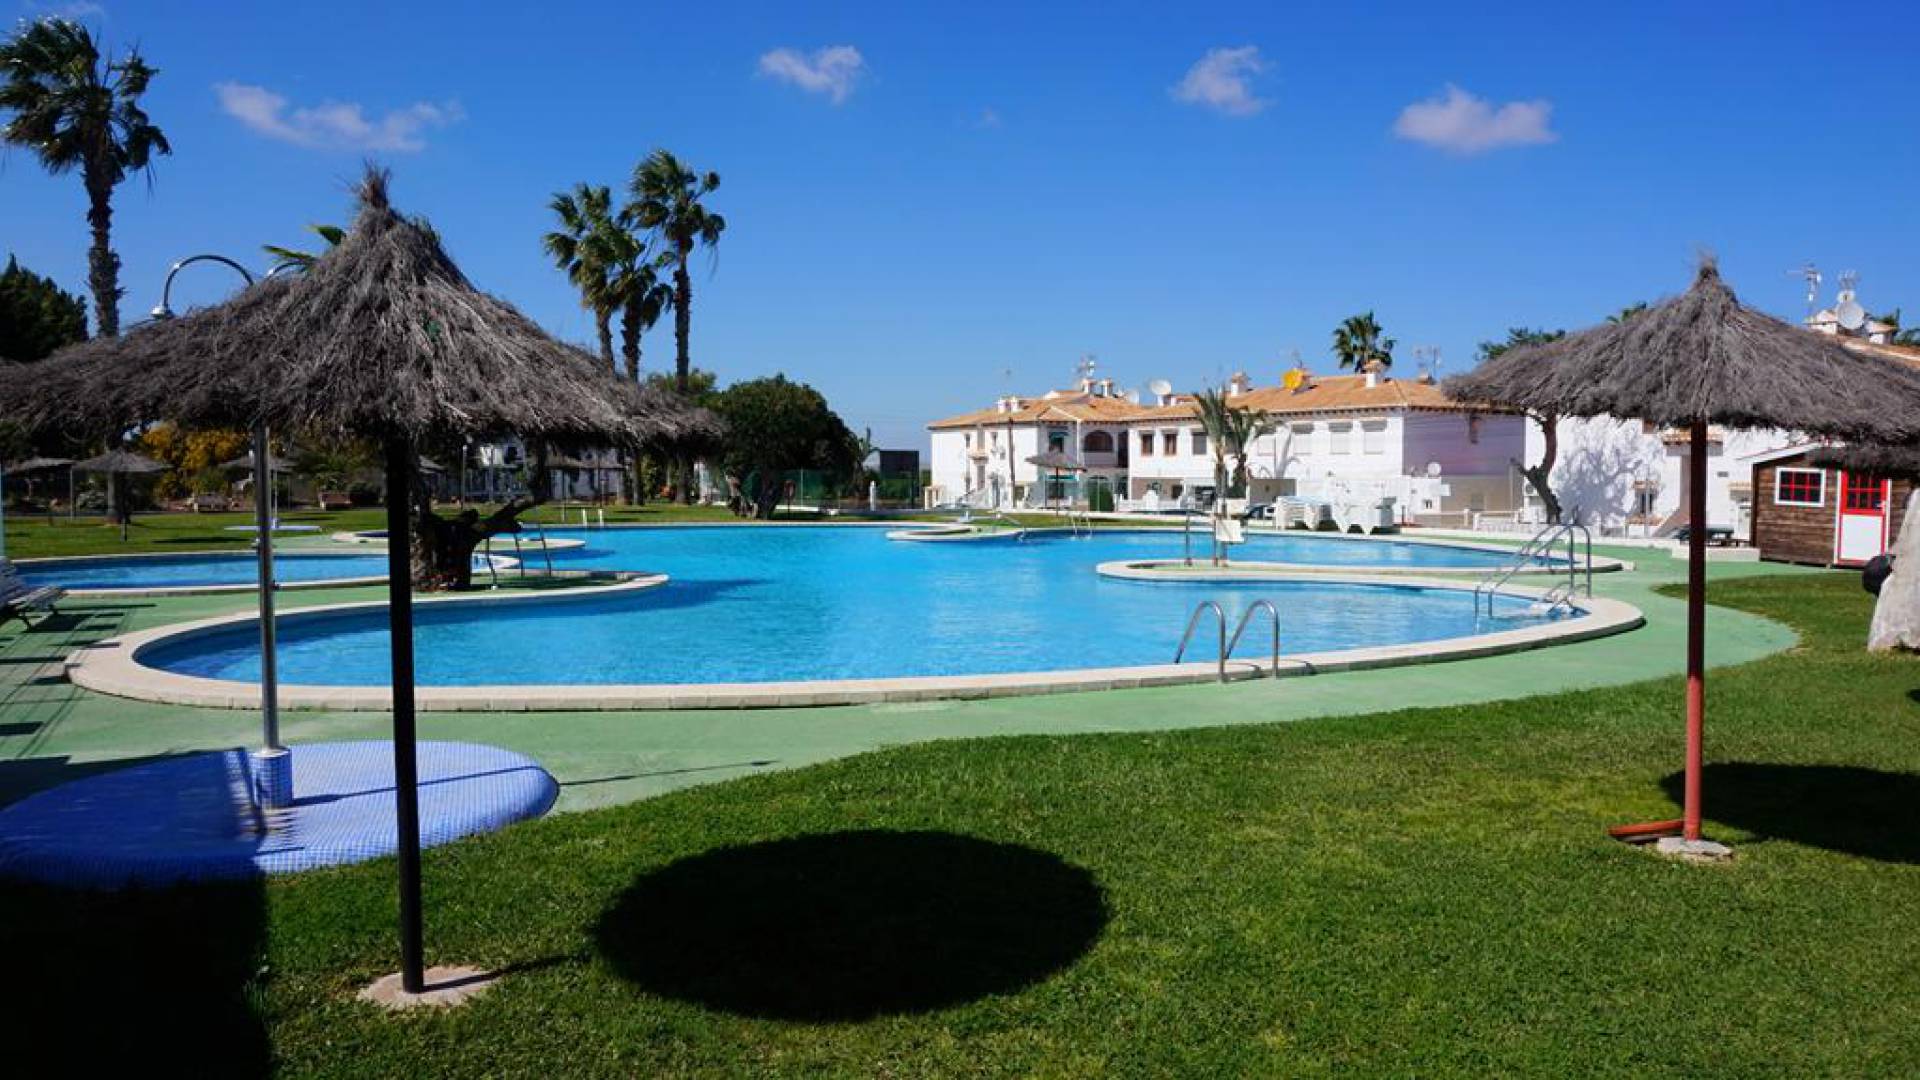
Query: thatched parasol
(1702,358)
(1876,458)
(244,463)
(1057,462)
(116,464)
(384,338)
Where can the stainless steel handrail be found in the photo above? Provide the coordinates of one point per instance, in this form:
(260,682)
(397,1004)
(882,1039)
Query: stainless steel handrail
(1220,617)
(1538,545)
(1246,618)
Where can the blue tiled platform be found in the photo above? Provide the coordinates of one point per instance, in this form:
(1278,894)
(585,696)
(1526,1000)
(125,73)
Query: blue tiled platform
(194,817)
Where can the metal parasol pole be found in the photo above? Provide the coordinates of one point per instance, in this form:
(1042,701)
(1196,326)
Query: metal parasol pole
(1696,628)
(274,775)
(406,769)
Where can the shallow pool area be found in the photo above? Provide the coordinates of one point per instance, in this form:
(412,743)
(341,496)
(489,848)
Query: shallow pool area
(806,603)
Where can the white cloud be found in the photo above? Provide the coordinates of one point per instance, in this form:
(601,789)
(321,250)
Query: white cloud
(333,125)
(1222,80)
(1460,123)
(74,10)
(831,71)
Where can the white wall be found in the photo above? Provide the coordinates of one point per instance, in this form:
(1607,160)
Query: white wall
(1601,459)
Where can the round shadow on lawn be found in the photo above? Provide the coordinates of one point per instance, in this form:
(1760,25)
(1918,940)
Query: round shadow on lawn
(852,925)
(1844,808)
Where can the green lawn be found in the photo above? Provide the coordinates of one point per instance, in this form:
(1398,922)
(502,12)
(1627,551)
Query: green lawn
(1425,892)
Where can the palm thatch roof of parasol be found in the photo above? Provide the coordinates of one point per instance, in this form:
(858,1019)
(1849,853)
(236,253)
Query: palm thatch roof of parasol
(120,461)
(1875,458)
(382,336)
(1704,356)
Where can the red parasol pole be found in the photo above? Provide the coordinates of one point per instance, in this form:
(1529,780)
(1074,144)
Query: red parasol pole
(1696,626)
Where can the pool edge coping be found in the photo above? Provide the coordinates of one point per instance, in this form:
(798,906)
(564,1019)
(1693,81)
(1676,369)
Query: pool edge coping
(112,666)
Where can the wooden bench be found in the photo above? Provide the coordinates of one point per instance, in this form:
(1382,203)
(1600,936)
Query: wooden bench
(17,598)
(335,500)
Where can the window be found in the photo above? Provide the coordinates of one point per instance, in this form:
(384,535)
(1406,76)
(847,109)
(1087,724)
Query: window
(1800,487)
(1146,444)
(1169,443)
(969,438)
(1863,492)
(1057,441)
(1198,440)
(1097,442)
(1473,429)
(1373,437)
(1340,438)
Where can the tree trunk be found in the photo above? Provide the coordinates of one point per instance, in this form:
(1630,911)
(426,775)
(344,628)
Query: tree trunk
(1540,475)
(682,362)
(603,326)
(766,495)
(442,548)
(103,266)
(630,339)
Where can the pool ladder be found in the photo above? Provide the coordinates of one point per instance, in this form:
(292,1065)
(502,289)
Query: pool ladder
(1541,545)
(1227,645)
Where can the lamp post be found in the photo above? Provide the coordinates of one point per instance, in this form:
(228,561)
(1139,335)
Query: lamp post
(273,767)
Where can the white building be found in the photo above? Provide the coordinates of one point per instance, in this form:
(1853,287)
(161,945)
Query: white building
(1335,438)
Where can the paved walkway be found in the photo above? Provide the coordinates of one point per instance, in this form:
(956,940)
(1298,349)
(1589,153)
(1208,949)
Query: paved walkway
(50,731)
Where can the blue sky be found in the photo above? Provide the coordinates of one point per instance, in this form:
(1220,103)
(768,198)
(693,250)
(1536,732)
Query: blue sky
(924,198)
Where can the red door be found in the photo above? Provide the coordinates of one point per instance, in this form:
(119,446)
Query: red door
(1861,531)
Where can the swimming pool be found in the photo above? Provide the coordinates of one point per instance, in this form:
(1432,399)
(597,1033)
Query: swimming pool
(804,603)
(202,570)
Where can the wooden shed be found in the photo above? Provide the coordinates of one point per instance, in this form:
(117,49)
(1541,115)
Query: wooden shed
(1822,515)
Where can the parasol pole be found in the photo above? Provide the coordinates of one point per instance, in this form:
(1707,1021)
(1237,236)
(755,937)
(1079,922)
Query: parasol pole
(1696,627)
(406,770)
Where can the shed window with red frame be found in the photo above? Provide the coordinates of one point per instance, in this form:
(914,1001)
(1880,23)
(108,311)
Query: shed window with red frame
(1800,487)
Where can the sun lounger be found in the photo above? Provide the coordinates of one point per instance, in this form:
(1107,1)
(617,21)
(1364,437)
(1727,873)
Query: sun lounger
(17,598)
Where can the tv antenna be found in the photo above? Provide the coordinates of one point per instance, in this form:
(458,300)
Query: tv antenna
(1811,275)
(1086,365)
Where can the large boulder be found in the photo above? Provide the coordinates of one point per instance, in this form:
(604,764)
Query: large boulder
(1896,617)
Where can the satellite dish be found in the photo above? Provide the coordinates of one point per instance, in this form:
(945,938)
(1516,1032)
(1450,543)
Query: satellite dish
(1851,315)
(1433,468)
(1160,387)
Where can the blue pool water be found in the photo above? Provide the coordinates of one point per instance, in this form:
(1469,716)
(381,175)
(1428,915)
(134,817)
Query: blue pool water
(187,571)
(767,604)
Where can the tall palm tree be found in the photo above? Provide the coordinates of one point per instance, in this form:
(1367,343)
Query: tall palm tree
(666,198)
(634,284)
(666,201)
(580,248)
(1357,342)
(76,109)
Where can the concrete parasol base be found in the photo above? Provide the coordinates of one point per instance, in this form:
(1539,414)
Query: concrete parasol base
(1693,850)
(446,988)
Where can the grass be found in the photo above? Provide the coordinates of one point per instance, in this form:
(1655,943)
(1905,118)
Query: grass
(1422,892)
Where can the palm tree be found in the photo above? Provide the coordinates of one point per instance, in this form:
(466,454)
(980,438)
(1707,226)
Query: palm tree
(1540,474)
(1357,343)
(1231,432)
(580,248)
(634,285)
(666,200)
(75,109)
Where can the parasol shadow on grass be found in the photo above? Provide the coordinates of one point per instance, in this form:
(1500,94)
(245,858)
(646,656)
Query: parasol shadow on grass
(1848,809)
(850,926)
(1696,359)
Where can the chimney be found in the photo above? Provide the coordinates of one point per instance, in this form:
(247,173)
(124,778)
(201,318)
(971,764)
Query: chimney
(1237,385)
(1106,387)
(1373,369)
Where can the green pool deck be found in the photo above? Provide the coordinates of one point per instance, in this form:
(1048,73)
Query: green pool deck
(51,731)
